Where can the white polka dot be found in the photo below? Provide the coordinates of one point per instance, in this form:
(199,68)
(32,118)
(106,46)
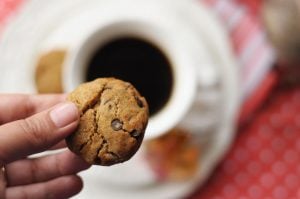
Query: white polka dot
(254,168)
(229,167)
(296,98)
(279,168)
(253,144)
(286,109)
(291,181)
(297,120)
(266,156)
(291,156)
(241,155)
(230,191)
(289,132)
(280,192)
(298,145)
(298,169)
(276,120)
(265,131)
(278,144)
(267,180)
(242,178)
(255,192)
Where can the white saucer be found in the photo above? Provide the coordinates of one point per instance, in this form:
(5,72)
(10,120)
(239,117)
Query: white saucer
(44,25)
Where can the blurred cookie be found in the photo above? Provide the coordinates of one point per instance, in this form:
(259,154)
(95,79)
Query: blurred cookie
(113,120)
(48,75)
(174,156)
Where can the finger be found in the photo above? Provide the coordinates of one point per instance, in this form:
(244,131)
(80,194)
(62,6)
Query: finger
(59,188)
(20,106)
(29,171)
(60,145)
(37,133)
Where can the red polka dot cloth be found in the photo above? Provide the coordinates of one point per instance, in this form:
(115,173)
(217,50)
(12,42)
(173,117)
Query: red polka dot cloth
(264,161)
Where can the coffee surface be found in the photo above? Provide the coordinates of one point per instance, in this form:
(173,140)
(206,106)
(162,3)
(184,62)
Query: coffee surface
(139,62)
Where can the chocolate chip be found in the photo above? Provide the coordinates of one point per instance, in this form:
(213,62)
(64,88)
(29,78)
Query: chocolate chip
(139,102)
(135,133)
(116,124)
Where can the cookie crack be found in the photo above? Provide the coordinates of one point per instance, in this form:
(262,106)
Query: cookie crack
(96,100)
(97,158)
(104,143)
(114,154)
(117,108)
(82,146)
(90,139)
(96,132)
(95,121)
(93,107)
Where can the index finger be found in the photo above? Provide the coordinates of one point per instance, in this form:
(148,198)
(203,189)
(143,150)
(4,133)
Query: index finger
(37,133)
(19,106)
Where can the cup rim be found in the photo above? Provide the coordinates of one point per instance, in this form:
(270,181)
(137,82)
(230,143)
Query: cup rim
(184,85)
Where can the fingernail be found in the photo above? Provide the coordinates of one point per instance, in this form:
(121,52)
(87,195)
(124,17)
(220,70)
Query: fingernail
(64,114)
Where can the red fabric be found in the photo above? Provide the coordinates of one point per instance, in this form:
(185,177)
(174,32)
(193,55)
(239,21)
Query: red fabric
(254,54)
(260,94)
(7,8)
(264,161)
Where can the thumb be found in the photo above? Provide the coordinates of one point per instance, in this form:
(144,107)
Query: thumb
(37,133)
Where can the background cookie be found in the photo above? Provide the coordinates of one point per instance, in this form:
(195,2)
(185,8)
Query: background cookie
(113,121)
(48,75)
(174,156)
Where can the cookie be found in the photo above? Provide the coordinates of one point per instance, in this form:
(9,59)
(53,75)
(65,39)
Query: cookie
(48,74)
(112,124)
(174,156)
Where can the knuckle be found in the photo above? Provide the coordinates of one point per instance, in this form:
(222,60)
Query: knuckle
(28,105)
(2,157)
(33,171)
(58,166)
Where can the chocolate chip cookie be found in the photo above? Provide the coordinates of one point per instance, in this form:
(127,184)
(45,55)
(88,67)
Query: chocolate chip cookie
(48,74)
(112,124)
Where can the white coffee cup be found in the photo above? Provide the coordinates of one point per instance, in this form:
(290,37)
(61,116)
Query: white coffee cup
(167,40)
(204,99)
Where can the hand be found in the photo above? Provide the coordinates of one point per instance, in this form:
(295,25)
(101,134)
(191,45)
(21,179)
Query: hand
(29,126)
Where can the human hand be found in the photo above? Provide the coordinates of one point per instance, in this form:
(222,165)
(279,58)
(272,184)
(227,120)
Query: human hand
(29,126)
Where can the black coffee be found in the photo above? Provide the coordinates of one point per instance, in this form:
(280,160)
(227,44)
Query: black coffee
(138,62)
